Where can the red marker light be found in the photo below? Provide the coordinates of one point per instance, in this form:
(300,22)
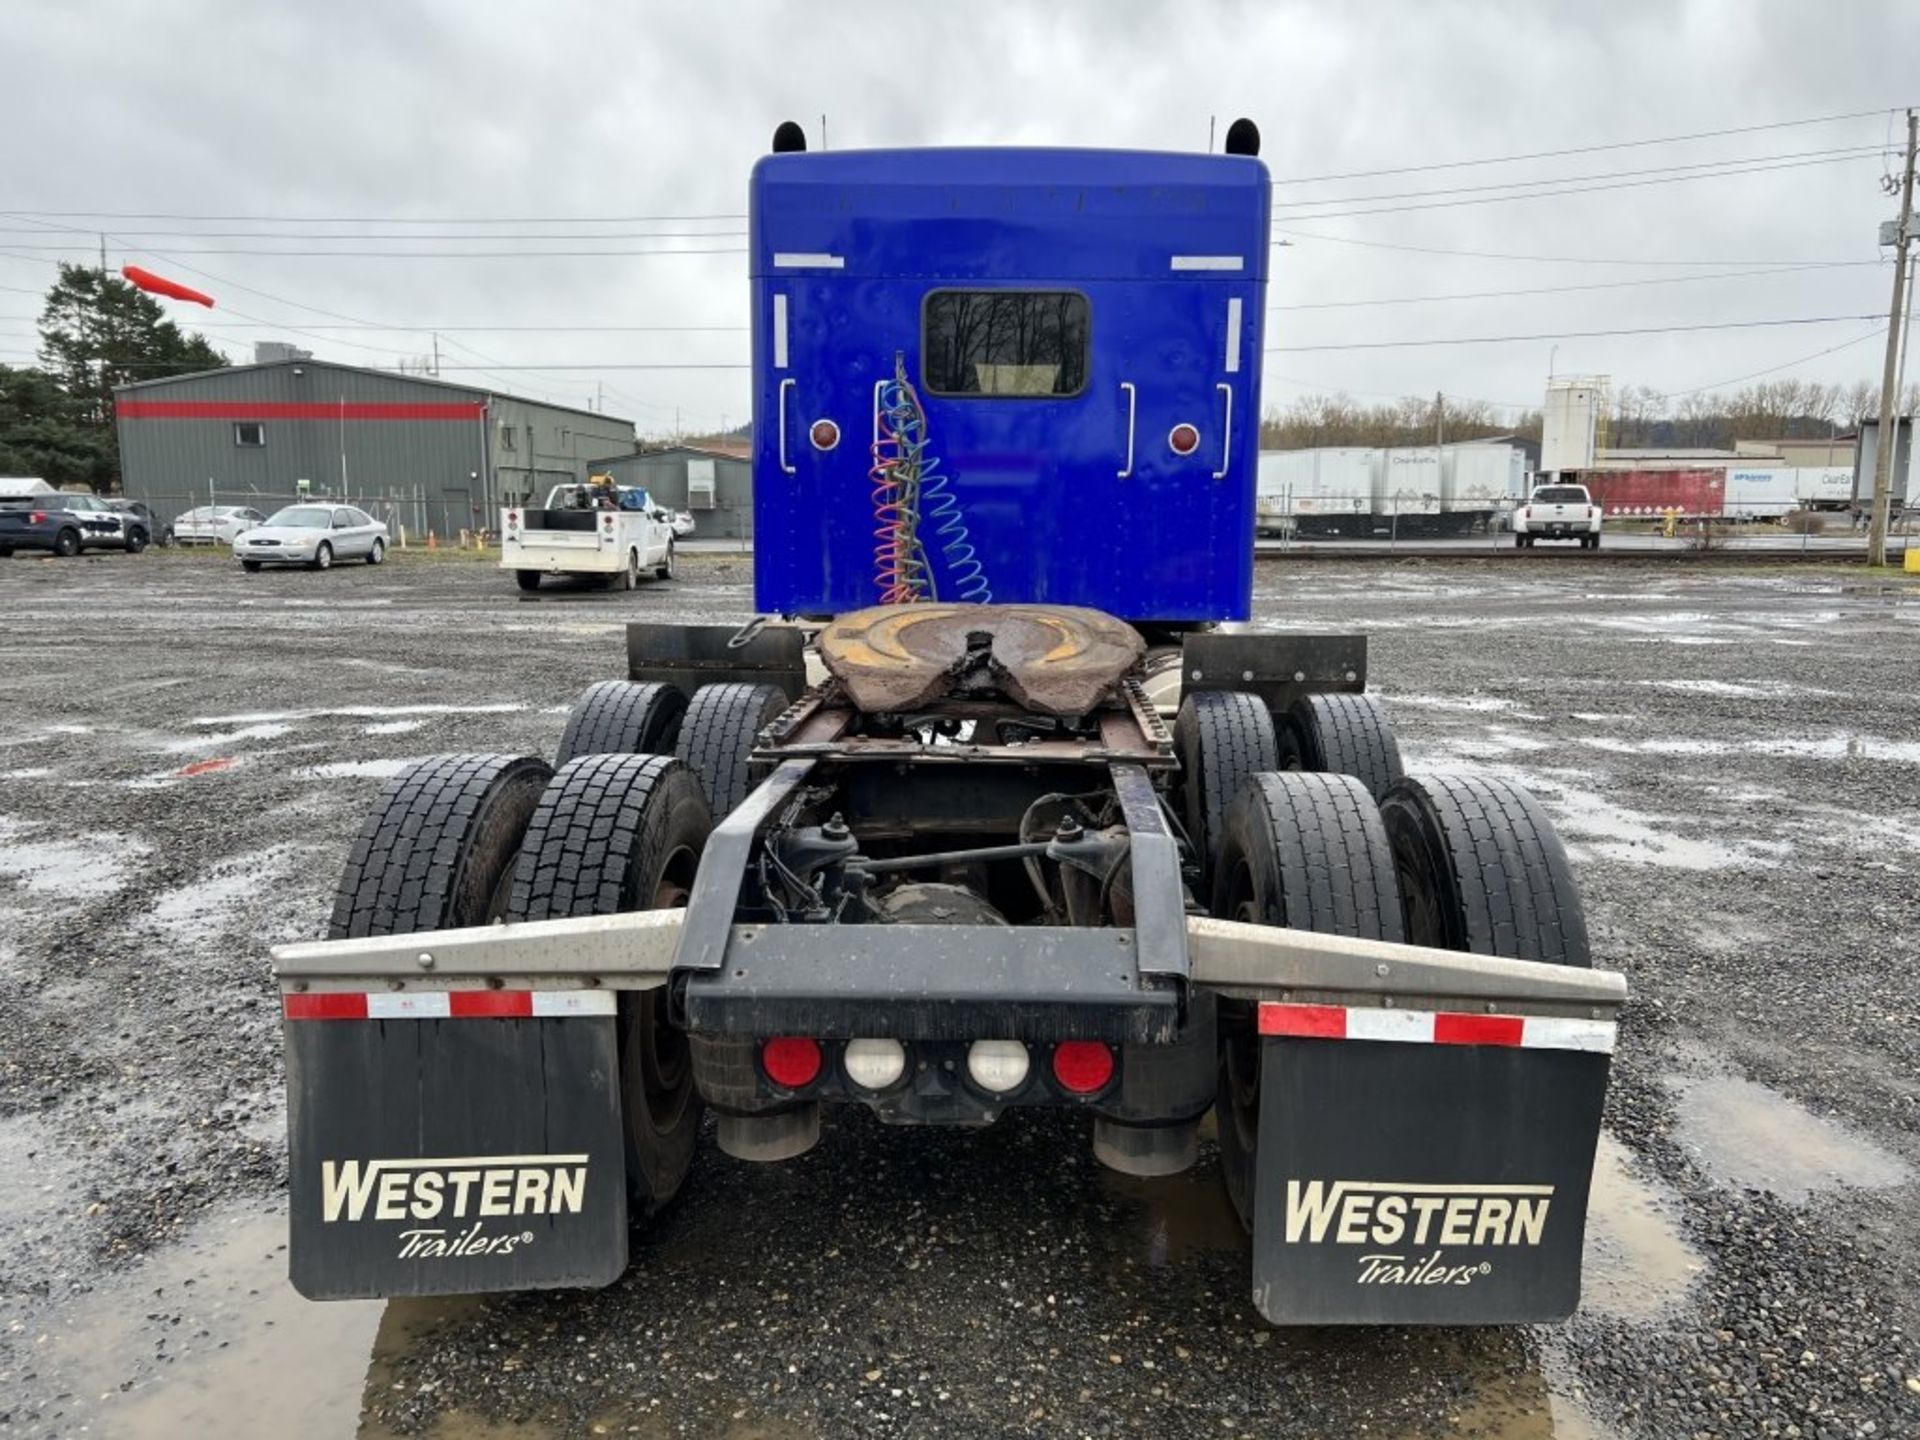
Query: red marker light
(791,1061)
(1183,439)
(824,434)
(1082,1066)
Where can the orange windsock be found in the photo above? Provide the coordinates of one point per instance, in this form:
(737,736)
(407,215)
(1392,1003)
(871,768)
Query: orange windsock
(160,285)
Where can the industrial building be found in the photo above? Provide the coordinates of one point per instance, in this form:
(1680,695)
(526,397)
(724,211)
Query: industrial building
(417,452)
(714,486)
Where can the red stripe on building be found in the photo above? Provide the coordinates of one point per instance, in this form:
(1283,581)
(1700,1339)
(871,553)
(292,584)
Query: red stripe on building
(489,1004)
(1452,1029)
(1313,1022)
(278,410)
(325,1005)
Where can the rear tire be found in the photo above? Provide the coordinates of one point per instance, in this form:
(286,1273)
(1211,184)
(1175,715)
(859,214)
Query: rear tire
(67,544)
(527,579)
(1342,735)
(1307,851)
(377,553)
(618,833)
(1480,869)
(620,717)
(1223,737)
(437,851)
(717,735)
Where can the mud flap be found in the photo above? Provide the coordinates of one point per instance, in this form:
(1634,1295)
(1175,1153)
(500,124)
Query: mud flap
(456,1153)
(1423,1183)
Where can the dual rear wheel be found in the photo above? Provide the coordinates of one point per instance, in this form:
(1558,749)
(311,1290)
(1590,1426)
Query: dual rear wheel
(1337,839)
(462,840)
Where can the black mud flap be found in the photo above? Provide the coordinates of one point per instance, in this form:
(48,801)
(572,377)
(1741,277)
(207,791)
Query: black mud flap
(1424,1183)
(445,1156)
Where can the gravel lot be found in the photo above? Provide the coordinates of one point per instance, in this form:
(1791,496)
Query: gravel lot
(1733,757)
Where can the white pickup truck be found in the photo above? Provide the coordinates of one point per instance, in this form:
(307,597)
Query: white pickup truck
(1558,512)
(581,533)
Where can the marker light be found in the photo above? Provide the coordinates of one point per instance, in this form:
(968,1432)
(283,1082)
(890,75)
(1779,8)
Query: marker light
(824,434)
(791,1061)
(875,1064)
(1082,1066)
(997,1065)
(1183,439)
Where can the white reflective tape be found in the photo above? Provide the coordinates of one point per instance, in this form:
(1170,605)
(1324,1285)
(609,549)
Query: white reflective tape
(1543,1033)
(573,1002)
(1193,262)
(1233,336)
(779,332)
(419,1005)
(816,260)
(1410,1025)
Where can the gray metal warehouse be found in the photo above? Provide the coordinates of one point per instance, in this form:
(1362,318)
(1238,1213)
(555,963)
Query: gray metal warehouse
(416,452)
(714,486)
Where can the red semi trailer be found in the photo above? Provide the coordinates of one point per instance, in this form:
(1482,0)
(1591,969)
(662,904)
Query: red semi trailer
(1623,494)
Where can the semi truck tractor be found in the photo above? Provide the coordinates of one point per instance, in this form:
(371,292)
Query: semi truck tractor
(996,806)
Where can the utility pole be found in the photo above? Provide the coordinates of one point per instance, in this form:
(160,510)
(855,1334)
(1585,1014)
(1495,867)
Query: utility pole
(436,352)
(1889,382)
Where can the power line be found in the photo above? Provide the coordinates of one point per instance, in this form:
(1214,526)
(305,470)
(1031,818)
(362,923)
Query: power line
(1286,308)
(1580,149)
(426,329)
(1775,369)
(1576,189)
(463,239)
(371,219)
(1703,165)
(395,254)
(1543,259)
(1564,334)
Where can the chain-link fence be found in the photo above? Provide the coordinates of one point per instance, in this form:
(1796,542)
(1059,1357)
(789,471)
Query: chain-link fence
(412,516)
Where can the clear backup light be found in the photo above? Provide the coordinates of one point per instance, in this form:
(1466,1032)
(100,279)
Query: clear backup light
(998,1065)
(875,1064)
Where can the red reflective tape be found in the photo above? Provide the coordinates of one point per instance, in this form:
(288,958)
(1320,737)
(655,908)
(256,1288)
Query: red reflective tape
(295,410)
(489,1004)
(1477,1029)
(325,1005)
(1314,1022)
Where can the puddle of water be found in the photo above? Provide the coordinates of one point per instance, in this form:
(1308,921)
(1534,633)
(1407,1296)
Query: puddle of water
(1637,1265)
(361,712)
(37,774)
(1827,747)
(393,727)
(360,769)
(1474,703)
(72,869)
(266,730)
(205,907)
(208,1338)
(1595,826)
(1749,1136)
(1181,1216)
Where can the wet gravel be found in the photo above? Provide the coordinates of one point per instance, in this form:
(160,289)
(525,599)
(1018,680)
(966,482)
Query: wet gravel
(1733,757)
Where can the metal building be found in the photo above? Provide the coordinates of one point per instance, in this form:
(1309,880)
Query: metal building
(415,451)
(714,486)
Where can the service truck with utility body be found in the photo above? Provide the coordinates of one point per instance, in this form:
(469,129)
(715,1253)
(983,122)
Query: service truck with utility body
(1558,512)
(613,531)
(995,805)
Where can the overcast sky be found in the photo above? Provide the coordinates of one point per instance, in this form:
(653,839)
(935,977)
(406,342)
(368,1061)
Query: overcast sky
(361,114)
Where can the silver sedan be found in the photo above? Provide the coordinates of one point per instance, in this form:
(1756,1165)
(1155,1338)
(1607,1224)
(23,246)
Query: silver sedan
(312,535)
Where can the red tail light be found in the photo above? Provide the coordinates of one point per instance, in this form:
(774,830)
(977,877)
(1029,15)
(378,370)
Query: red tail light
(1082,1066)
(791,1061)
(39,517)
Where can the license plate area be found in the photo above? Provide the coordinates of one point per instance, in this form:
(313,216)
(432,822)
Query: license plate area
(1423,1183)
(451,1155)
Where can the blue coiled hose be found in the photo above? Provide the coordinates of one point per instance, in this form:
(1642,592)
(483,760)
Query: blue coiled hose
(926,495)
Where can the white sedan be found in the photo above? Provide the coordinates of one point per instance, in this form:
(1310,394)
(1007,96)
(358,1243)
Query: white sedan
(211,524)
(312,535)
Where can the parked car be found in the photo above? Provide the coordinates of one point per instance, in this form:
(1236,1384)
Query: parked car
(212,524)
(142,525)
(312,535)
(65,524)
(679,520)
